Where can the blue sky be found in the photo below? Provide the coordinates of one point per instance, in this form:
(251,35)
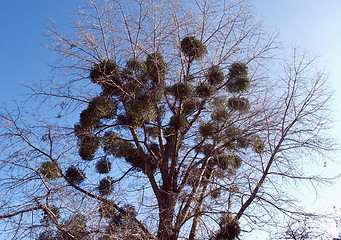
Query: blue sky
(314,25)
(22,57)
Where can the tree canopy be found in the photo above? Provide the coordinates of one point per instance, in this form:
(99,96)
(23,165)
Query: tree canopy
(165,124)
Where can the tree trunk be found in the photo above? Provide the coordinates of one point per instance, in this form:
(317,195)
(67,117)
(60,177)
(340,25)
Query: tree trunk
(166,214)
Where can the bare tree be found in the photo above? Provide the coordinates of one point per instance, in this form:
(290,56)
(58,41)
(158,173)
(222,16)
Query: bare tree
(194,140)
(303,228)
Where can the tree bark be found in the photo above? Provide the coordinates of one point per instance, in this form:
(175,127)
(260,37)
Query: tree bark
(166,229)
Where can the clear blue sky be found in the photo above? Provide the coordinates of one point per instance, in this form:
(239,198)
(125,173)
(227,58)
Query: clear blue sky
(22,57)
(311,24)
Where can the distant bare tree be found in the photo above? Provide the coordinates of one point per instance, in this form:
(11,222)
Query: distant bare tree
(303,229)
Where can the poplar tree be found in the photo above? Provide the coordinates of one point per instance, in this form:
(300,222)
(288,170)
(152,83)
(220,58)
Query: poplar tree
(168,127)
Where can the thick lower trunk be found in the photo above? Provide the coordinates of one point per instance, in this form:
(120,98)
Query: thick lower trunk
(167,236)
(166,229)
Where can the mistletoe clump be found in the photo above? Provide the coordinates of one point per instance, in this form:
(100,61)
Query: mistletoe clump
(243,141)
(102,106)
(50,170)
(229,229)
(86,121)
(214,75)
(136,160)
(88,146)
(181,90)
(193,48)
(120,148)
(205,90)
(194,177)
(238,80)
(177,122)
(124,148)
(116,146)
(98,108)
(104,70)
(220,115)
(207,129)
(141,110)
(103,166)
(172,139)
(76,226)
(136,72)
(107,75)
(46,235)
(258,145)
(238,104)
(156,67)
(234,160)
(107,210)
(123,218)
(237,69)
(222,161)
(109,141)
(189,106)
(229,161)
(135,65)
(54,210)
(105,186)
(74,175)
(215,193)
(152,131)
(233,133)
